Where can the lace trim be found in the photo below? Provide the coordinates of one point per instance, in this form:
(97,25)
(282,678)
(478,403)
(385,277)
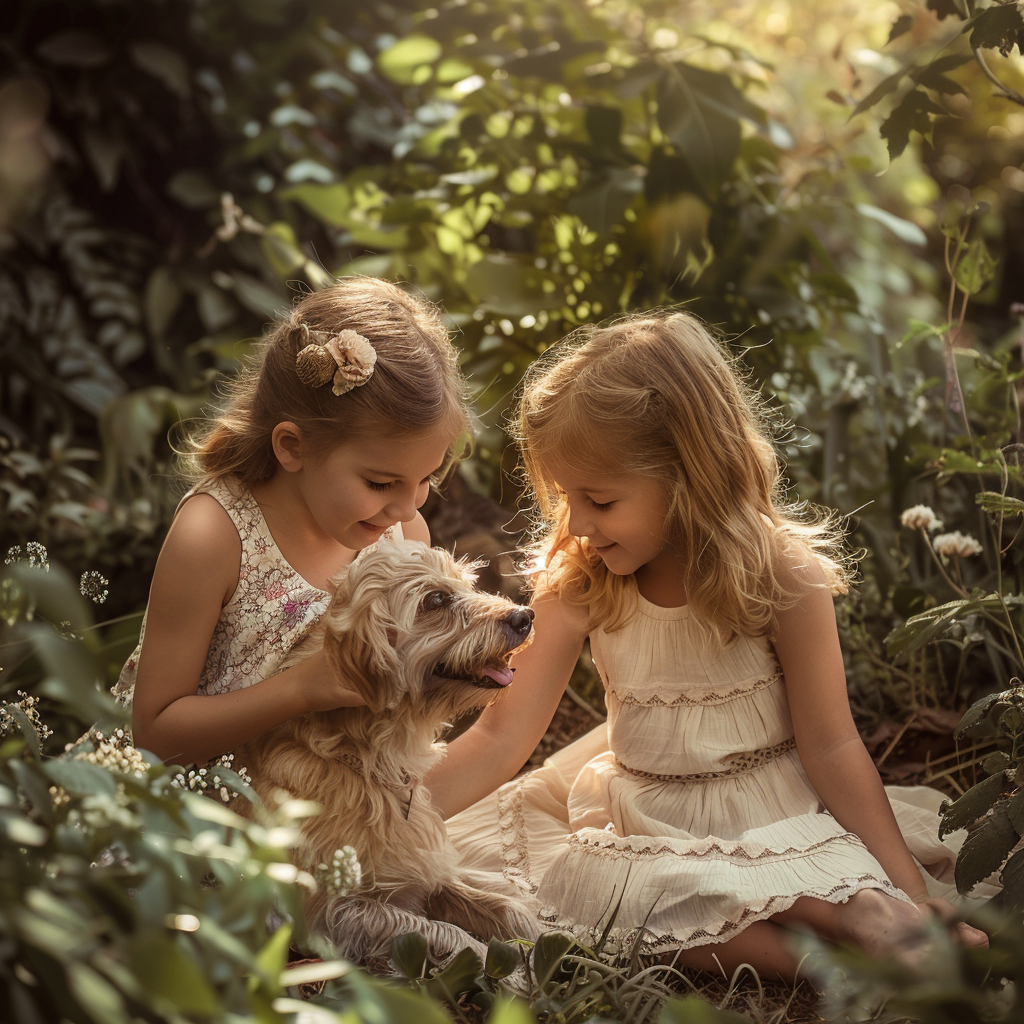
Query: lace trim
(515,850)
(609,846)
(682,700)
(741,763)
(622,941)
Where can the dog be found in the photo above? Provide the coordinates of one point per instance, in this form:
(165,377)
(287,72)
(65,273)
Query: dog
(407,630)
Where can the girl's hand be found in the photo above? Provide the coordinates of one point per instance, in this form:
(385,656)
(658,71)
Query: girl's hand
(324,690)
(961,930)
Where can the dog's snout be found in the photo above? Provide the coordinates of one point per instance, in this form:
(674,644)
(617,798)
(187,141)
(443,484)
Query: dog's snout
(520,620)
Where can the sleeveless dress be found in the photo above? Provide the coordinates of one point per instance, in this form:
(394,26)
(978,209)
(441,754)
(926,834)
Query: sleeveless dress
(271,610)
(688,816)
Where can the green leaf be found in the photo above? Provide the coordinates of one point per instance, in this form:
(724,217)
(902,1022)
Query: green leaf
(1000,27)
(880,91)
(905,230)
(548,953)
(1015,810)
(163,63)
(912,114)
(193,189)
(901,25)
(19,832)
(76,48)
(1012,877)
(460,974)
(329,203)
(927,626)
(511,1011)
(973,805)
(162,299)
(696,110)
(984,850)
(509,285)
(403,61)
(502,959)
(411,955)
(604,126)
(169,974)
(375,1001)
(281,248)
(999,504)
(81,777)
(692,1009)
(975,269)
(270,961)
(997,761)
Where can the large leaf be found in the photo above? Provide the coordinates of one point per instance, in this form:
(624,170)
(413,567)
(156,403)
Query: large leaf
(984,850)
(1000,27)
(548,953)
(913,113)
(697,111)
(1012,877)
(973,805)
(923,628)
(502,959)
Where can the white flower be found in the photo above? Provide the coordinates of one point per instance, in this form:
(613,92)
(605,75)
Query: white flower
(344,874)
(957,544)
(921,517)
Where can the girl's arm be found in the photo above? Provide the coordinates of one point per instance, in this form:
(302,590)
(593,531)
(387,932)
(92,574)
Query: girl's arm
(195,576)
(833,755)
(499,743)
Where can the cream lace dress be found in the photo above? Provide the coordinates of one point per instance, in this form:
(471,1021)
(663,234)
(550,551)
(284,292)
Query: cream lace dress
(689,816)
(271,610)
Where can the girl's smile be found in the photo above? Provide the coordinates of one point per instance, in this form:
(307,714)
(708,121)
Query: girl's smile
(624,518)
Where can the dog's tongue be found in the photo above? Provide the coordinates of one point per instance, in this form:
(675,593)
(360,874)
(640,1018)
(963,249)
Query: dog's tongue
(502,676)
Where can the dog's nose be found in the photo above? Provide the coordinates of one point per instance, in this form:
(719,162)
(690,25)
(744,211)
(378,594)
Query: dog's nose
(520,619)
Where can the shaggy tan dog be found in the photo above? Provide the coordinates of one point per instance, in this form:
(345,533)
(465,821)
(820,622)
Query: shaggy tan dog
(408,631)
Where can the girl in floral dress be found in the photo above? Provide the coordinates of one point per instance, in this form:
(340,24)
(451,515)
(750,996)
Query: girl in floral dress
(729,798)
(329,441)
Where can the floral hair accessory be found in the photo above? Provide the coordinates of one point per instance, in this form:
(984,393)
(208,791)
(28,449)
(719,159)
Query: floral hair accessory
(347,358)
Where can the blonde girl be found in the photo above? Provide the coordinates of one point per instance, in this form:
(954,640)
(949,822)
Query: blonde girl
(729,797)
(329,441)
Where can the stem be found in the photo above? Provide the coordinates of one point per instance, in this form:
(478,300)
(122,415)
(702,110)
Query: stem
(942,569)
(1004,90)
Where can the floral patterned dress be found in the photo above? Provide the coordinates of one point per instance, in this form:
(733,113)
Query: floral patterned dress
(271,610)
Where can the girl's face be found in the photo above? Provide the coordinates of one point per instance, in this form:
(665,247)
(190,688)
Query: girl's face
(624,516)
(359,489)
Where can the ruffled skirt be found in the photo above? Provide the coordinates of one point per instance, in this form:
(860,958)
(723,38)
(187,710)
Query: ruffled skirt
(679,865)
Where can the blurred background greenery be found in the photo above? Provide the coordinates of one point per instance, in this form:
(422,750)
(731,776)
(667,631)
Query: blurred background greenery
(839,191)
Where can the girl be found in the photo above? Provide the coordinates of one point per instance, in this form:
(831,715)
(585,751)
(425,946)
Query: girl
(331,439)
(730,795)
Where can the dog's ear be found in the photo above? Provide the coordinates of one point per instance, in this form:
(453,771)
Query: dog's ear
(359,643)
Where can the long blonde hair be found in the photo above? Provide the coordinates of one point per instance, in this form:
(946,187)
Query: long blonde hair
(656,395)
(415,385)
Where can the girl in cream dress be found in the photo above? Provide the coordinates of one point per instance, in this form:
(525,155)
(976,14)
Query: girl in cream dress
(729,797)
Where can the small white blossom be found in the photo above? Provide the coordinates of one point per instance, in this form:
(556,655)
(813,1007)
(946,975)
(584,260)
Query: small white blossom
(93,585)
(35,554)
(29,706)
(921,517)
(207,780)
(956,545)
(344,874)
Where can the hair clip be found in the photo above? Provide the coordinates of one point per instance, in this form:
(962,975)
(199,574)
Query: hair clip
(347,358)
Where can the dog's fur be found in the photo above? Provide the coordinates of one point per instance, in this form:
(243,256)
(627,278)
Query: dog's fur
(407,630)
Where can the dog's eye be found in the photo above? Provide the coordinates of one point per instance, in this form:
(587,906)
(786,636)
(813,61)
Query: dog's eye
(436,599)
